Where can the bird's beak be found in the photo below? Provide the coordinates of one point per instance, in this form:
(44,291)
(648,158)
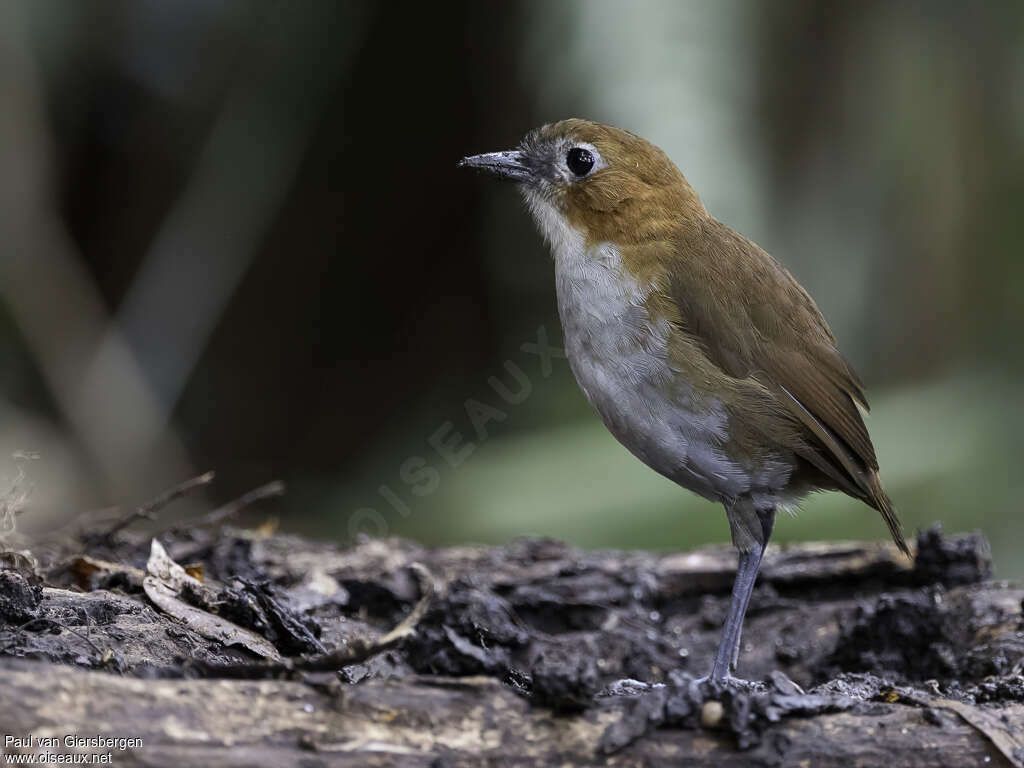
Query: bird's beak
(504,165)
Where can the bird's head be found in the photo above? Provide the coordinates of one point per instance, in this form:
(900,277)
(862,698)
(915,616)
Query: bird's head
(607,184)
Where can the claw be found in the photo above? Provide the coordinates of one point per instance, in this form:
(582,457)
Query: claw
(628,687)
(717,686)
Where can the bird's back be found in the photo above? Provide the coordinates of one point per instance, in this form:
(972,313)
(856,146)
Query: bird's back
(773,352)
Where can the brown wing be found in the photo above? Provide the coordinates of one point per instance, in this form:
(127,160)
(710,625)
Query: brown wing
(759,322)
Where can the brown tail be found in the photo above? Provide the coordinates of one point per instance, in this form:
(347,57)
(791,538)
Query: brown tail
(880,501)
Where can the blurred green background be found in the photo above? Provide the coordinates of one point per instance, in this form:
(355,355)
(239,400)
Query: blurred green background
(233,236)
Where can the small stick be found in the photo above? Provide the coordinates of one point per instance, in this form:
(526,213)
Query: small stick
(232,508)
(352,653)
(54,623)
(357,652)
(150,508)
(269,491)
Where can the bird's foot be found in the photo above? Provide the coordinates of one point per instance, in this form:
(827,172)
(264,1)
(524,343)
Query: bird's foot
(728,683)
(709,685)
(628,687)
(776,682)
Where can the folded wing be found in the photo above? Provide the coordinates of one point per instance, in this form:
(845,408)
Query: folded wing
(760,323)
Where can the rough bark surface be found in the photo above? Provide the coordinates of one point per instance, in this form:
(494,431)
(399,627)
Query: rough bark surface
(526,654)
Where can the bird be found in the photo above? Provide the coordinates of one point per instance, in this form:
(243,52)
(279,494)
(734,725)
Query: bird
(700,352)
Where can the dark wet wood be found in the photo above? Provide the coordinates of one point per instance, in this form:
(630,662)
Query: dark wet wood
(805,600)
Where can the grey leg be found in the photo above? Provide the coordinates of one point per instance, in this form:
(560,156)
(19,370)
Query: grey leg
(767,524)
(728,646)
(751,529)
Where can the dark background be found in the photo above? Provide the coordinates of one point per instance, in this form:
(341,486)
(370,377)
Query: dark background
(233,236)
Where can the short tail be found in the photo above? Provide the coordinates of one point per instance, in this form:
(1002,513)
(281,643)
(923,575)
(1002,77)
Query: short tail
(880,501)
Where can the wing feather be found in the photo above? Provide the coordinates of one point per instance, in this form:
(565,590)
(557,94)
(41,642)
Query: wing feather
(760,323)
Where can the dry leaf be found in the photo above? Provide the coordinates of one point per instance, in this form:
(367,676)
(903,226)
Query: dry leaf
(163,586)
(88,570)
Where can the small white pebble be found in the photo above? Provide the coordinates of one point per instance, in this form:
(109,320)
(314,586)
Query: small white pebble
(308,708)
(711,714)
(684,652)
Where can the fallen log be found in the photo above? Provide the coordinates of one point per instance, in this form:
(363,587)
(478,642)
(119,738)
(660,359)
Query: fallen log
(526,654)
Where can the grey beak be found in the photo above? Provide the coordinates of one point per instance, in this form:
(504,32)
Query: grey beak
(504,165)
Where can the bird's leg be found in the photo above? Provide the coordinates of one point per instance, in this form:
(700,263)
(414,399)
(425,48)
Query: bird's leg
(767,518)
(751,529)
(728,646)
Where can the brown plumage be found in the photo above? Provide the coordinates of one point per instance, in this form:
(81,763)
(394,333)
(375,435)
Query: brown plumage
(700,352)
(761,336)
(758,325)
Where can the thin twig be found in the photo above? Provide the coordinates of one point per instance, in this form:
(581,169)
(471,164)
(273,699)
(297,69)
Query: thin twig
(269,491)
(353,653)
(55,623)
(356,652)
(150,508)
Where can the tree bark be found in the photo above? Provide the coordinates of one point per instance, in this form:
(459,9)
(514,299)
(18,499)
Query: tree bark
(512,654)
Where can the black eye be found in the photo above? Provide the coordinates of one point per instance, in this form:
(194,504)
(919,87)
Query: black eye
(579,160)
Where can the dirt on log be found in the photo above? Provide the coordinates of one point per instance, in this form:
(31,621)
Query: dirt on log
(289,652)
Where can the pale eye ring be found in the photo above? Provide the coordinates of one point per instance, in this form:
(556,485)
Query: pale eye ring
(580,161)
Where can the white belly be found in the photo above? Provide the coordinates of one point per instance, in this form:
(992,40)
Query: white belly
(619,355)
